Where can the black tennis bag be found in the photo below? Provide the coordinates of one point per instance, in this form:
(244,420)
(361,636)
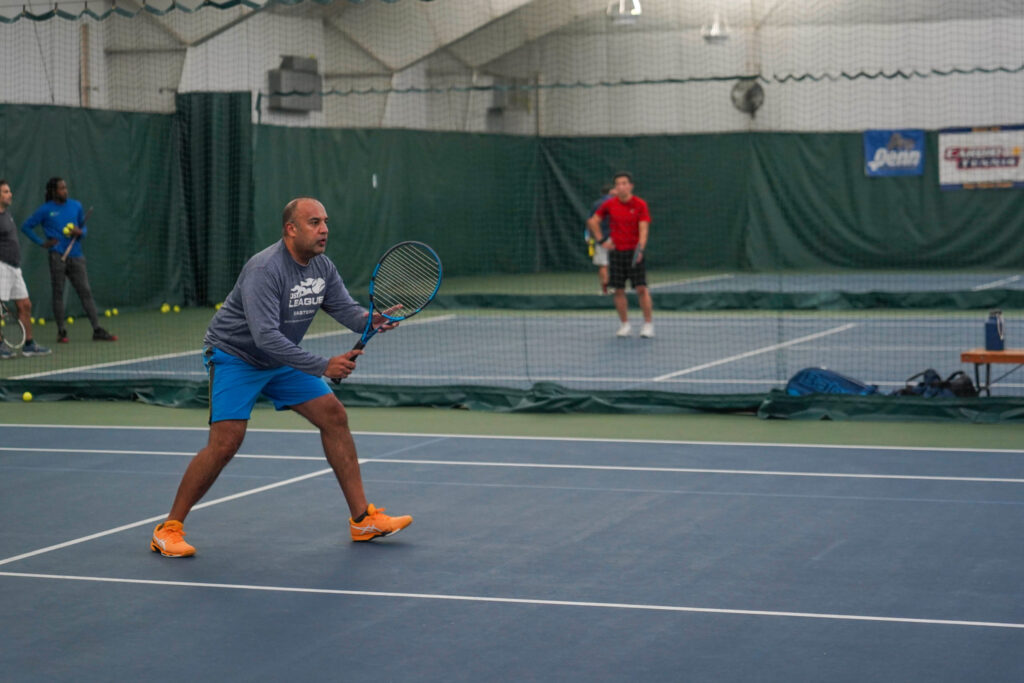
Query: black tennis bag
(931,385)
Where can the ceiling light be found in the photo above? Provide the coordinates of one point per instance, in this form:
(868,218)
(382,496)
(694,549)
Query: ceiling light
(624,12)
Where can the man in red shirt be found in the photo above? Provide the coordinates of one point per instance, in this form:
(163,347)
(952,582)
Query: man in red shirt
(630,223)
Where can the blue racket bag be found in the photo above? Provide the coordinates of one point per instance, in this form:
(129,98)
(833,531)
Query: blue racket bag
(825,381)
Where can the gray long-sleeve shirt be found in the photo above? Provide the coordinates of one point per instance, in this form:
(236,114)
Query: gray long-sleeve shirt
(271,306)
(10,253)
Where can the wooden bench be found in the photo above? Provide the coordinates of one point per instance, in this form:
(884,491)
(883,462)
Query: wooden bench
(984,357)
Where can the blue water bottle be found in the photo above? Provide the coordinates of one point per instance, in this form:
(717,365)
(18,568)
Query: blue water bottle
(994,338)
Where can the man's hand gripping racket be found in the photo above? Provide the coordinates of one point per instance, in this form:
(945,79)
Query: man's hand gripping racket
(403,282)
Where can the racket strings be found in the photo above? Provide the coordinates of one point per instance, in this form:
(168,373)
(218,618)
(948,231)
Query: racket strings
(12,334)
(406,281)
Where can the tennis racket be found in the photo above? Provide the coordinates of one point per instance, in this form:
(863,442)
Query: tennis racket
(64,256)
(12,332)
(404,281)
(638,254)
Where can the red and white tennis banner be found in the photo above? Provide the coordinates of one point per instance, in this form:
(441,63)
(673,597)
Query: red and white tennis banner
(972,158)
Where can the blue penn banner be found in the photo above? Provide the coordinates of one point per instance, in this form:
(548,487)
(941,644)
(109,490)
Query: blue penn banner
(893,152)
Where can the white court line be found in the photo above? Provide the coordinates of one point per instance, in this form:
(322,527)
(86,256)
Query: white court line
(197,351)
(514,601)
(556,466)
(158,518)
(694,470)
(563,378)
(189,454)
(625,380)
(448,378)
(755,352)
(996,283)
(580,439)
(692,280)
(144,359)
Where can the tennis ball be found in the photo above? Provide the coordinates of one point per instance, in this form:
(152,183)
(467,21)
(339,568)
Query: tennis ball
(27,396)
(177,308)
(42,321)
(32,320)
(114,311)
(165,308)
(71,321)
(107,313)
(217,307)
(67,231)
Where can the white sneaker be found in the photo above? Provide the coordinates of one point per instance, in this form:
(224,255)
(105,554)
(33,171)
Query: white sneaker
(625,330)
(647,331)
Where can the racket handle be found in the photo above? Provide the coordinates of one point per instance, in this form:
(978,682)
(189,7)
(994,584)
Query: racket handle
(358,347)
(64,256)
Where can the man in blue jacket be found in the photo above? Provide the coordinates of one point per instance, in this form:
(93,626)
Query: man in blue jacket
(54,216)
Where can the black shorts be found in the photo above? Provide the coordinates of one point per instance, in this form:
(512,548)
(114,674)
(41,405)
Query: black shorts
(621,268)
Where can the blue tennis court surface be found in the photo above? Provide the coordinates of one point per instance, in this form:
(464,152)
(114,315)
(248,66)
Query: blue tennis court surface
(692,353)
(529,559)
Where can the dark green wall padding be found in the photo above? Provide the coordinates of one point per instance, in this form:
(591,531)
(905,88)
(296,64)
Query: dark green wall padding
(181,201)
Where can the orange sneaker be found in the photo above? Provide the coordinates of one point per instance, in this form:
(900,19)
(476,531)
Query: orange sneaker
(169,540)
(375,523)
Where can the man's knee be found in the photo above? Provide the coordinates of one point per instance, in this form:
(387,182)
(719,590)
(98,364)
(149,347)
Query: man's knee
(334,414)
(24,306)
(331,415)
(225,439)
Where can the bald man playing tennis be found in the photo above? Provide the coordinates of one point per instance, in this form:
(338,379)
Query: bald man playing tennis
(252,348)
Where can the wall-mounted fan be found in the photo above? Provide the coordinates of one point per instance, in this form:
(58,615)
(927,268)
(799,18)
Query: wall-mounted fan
(747,96)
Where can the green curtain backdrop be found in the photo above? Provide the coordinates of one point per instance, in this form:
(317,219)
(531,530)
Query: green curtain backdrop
(181,201)
(810,205)
(470,196)
(213,140)
(122,166)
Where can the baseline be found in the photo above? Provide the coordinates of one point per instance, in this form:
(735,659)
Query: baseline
(520,601)
(581,439)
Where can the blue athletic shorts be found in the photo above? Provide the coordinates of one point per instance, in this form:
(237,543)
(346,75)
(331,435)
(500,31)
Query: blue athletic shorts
(235,385)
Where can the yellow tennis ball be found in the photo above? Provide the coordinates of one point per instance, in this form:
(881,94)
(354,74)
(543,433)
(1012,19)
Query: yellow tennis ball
(42,321)
(27,396)
(165,308)
(177,308)
(115,311)
(32,320)
(71,321)
(67,231)
(107,313)
(217,307)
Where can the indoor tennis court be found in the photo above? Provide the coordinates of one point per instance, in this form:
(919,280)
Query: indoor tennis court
(529,558)
(832,185)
